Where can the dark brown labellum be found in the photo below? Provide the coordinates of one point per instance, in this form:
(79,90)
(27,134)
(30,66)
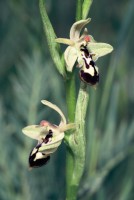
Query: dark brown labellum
(88,78)
(89,71)
(36,158)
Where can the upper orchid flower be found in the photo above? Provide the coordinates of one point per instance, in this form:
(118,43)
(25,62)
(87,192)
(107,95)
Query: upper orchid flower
(76,41)
(49,137)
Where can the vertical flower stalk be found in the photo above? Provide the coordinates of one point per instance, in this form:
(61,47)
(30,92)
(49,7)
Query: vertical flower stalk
(83,50)
(77,143)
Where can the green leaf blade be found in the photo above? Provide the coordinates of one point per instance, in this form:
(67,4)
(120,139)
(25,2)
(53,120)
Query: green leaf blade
(85,8)
(50,35)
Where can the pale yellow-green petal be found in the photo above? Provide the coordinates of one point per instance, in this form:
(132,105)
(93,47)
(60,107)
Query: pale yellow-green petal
(76,29)
(35,131)
(65,41)
(100,49)
(70,56)
(56,108)
(65,127)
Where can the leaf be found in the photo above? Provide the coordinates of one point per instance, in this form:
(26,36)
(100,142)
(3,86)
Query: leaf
(50,35)
(99,49)
(85,8)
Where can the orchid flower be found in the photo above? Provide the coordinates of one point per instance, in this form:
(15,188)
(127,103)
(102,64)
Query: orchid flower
(73,51)
(49,137)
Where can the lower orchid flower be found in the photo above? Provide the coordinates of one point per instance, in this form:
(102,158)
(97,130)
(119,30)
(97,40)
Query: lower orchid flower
(49,137)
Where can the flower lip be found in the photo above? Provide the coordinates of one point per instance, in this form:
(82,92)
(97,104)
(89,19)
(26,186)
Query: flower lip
(88,72)
(37,159)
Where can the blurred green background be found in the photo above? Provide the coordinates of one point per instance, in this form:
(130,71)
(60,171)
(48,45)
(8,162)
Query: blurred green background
(27,75)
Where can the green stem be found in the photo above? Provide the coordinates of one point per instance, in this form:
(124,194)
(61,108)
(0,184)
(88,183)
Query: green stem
(70,192)
(71,97)
(76,150)
(79,135)
(71,101)
(79,10)
(75,156)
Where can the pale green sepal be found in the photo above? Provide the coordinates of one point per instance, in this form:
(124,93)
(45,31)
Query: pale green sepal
(35,131)
(99,49)
(50,35)
(85,8)
(70,56)
(54,107)
(76,29)
(65,41)
(66,127)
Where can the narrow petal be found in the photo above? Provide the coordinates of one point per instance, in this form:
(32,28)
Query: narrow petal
(35,131)
(99,49)
(85,32)
(76,29)
(54,107)
(65,41)
(70,56)
(66,127)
